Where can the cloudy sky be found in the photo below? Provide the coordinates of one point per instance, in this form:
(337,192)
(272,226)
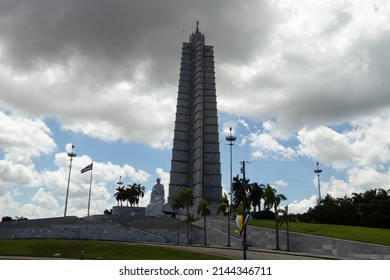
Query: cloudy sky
(300,82)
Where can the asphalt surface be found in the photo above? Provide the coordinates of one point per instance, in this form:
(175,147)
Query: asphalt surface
(233,253)
(252,253)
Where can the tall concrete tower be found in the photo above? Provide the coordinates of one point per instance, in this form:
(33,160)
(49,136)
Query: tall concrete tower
(195,154)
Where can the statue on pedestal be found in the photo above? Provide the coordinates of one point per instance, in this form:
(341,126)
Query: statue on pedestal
(157,199)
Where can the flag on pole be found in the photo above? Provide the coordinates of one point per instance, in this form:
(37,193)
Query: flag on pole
(87,168)
(241,223)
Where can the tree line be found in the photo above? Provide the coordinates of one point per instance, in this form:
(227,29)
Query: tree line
(9,218)
(369,209)
(246,196)
(129,194)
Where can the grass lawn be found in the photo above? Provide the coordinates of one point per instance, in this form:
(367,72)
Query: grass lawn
(363,234)
(95,250)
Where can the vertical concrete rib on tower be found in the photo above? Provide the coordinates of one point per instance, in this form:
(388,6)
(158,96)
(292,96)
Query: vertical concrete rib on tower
(195,154)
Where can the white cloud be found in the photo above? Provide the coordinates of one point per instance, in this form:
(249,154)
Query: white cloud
(323,65)
(244,124)
(45,200)
(302,206)
(15,174)
(326,145)
(8,207)
(364,143)
(139,176)
(264,145)
(281,183)
(368,177)
(48,200)
(335,187)
(302,69)
(371,137)
(358,179)
(21,138)
(303,64)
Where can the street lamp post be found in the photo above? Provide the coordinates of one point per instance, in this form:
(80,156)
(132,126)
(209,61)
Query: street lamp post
(318,171)
(71,155)
(231,139)
(244,203)
(119,185)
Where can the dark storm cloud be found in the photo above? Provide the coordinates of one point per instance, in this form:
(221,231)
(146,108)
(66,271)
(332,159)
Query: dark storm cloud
(52,31)
(73,54)
(274,60)
(110,33)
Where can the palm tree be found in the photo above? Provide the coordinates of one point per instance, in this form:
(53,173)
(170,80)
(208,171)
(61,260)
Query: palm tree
(130,195)
(383,194)
(241,190)
(140,192)
(190,218)
(177,204)
(278,199)
(223,206)
(133,193)
(186,198)
(271,199)
(286,218)
(7,219)
(256,194)
(346,209)
(204,211)
(120,194)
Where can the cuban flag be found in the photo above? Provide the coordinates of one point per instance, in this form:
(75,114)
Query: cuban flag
(87,168)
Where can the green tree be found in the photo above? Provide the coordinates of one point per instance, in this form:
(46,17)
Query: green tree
(383,194)
(20,218)
(223,204)
(371,209)
(190,219)
(6,219)
(271,199)
(177,204)
(129,195)
(241,191)
(223,207)
(286,219)
(186,198)
(140,192)
(204,211)
(347,211)
(120,194)
(255,195)
(133,193)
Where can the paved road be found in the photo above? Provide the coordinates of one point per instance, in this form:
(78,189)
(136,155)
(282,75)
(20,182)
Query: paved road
(252,253)
(233,253)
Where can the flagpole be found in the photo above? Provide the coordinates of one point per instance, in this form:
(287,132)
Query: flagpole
(90,187)
(71,155)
